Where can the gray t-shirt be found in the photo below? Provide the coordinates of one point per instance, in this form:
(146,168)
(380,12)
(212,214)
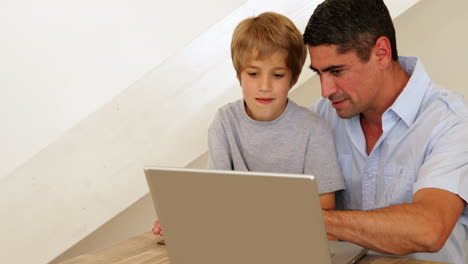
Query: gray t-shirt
(299,141)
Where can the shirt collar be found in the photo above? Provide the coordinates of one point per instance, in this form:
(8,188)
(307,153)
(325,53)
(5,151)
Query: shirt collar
(407,104)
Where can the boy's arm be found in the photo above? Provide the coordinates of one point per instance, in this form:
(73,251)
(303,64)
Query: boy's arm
(321,159)
(219,153)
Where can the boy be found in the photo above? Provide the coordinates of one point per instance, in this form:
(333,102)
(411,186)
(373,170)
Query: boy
(265,131)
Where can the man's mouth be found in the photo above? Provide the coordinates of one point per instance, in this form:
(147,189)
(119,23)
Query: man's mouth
(338,103)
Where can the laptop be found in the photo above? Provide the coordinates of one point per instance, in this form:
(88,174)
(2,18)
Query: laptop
(215,217)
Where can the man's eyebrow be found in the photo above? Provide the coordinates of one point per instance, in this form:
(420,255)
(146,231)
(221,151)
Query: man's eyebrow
(329,68)
(312,68)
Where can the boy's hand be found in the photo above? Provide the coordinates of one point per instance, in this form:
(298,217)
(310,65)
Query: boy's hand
(157,228)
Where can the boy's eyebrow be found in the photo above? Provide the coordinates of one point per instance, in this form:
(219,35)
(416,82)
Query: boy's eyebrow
(280,68)
(275,68)
(327,69)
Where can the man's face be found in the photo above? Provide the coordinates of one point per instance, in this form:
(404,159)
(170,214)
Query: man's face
(265,86)
(351,85)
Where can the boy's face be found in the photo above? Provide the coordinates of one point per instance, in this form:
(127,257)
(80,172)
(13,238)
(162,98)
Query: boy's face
(265,86)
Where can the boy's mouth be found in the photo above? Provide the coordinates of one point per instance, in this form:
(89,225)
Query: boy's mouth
(264,100)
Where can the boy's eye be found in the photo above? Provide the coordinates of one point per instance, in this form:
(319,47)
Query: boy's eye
(278,75)
(252,74)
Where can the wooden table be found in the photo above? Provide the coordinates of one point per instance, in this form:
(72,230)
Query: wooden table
(144,249)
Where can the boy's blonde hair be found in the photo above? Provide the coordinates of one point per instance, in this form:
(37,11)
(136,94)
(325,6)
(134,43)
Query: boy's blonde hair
(263,35)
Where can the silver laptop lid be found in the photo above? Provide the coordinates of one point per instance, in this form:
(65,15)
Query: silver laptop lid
(227,217)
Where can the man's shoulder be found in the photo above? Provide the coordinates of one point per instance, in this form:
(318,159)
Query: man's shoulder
(324,108)
(447,102)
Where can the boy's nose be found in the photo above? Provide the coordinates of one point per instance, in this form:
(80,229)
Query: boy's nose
(328,86)
(265,84)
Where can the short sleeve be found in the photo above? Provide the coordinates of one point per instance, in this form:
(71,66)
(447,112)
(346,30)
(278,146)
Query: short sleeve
(219,157)
(321,160)
(446,166)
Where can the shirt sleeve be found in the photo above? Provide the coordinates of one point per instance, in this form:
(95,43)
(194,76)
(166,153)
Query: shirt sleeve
(321,161)
(219,154)
(446,166)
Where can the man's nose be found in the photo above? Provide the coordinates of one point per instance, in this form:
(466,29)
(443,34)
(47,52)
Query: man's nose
(328,86)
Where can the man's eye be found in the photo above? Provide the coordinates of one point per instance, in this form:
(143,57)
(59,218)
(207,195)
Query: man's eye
(336,72)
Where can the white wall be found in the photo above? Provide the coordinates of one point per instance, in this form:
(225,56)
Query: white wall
(62,60)
(79,162)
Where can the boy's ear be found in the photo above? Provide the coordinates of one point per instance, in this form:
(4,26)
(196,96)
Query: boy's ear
(238,78)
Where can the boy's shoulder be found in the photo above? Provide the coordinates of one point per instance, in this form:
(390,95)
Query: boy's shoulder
(231,106)
(229,113)
(229,110)
(302,112)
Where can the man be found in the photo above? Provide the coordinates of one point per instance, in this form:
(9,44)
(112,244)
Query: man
(401,139)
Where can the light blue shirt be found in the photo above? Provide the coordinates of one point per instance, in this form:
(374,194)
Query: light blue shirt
(424,145)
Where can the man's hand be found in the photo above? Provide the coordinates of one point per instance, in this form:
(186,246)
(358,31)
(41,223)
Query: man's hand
(157,228)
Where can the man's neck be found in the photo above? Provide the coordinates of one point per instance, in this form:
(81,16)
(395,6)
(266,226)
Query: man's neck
(393,82)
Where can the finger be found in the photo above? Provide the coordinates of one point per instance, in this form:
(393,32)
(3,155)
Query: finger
(156,230)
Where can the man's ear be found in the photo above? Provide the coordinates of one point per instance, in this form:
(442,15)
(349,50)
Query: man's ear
(383,51)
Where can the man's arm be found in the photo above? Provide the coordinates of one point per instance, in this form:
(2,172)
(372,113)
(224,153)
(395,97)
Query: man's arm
(421,226)
(327,201)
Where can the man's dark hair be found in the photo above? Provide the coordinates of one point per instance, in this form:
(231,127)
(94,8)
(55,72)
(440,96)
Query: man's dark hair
(351,25)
